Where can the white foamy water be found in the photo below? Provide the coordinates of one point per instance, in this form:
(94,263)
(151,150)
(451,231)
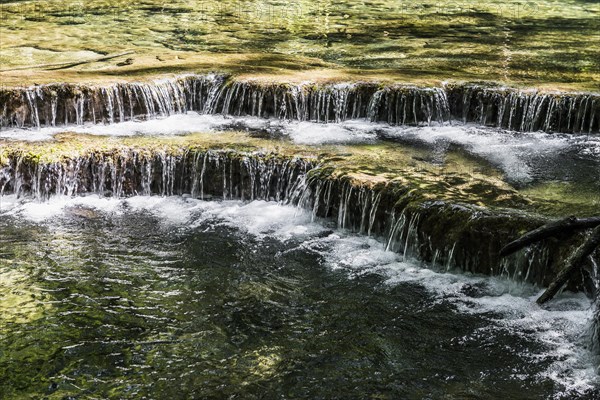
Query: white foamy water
(512,152)
(181,124)
(560,327)
(178,124)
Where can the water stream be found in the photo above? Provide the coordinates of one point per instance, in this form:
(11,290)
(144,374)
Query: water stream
(211,274)
(395,104)
(524,157)
(174,297)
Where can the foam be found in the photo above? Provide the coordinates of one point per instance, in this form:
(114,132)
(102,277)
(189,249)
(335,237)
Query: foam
(353,131)
(508,150)
(181,124)
(559,327)
(177,124)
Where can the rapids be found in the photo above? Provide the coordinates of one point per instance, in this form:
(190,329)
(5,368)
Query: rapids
(178,297)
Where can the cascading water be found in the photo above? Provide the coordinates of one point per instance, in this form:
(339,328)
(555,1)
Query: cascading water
(228,174)
(164,296)
(419,232)
(50,105)
(525,110)
(55,104)
(130,172)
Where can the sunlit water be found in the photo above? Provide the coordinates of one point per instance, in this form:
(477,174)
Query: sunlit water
(538,41)
(180,298)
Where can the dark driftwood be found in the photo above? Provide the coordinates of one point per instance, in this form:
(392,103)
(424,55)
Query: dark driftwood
(574,261)
(566,225)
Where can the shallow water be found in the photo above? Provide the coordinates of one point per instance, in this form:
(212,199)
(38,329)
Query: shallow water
(537,42)
(179,298)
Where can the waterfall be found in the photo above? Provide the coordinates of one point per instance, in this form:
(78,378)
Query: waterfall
(395,104)
(45,105)
(398,105)
(437,232)
(131,172)
(403,235)
(525,110)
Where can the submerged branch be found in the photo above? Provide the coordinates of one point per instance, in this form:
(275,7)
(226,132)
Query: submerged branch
(566,225)
(69,64)
(573,262)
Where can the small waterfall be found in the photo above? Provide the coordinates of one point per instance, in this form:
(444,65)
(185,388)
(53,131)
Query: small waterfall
(403,235)
(343,217)
(519,110)
(356,206)
(131,172)
(450,236)
(398,105)
(525,110)
(46,105)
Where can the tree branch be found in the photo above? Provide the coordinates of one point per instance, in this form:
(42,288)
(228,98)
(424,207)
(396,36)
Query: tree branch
(565,225)
(574,261)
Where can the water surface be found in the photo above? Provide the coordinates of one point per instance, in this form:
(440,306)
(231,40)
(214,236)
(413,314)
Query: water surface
(536,42)
(178,298)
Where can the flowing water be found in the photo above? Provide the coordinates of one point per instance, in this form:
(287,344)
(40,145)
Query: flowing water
(111,287)
(523,157)
(537,42)
(395,104)
(170,297)
(177,297)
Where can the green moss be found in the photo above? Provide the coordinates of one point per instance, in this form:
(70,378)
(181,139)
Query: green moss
(564,198)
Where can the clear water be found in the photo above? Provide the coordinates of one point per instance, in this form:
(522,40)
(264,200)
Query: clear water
(177,298)
(542,41)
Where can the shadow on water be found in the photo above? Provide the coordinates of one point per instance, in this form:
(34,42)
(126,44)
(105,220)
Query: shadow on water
(538,42)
